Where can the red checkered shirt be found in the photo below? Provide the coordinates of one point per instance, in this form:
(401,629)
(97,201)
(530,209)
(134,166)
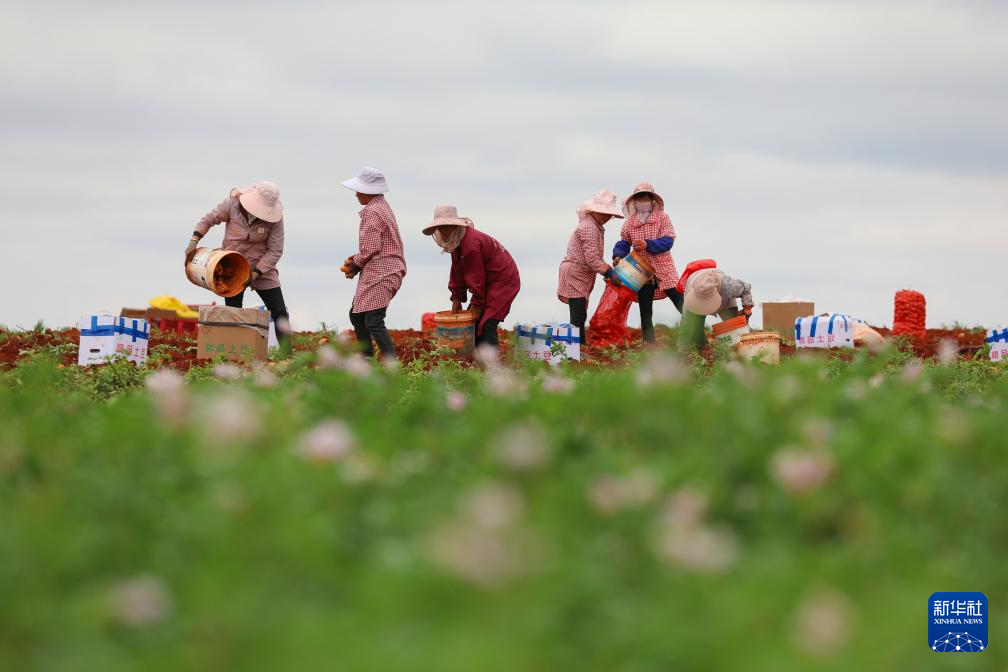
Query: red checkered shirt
(584,260)
(657,225)
(380,258)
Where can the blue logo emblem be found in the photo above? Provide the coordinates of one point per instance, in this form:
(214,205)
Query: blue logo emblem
(957,622)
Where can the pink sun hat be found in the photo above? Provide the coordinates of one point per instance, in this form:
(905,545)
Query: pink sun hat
(262,199)
(642,188)
(603,202)
(446,215)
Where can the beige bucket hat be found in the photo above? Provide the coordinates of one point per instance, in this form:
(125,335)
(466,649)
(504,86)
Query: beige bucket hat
(262,199)
(446,215)
(703,292)
(603,202)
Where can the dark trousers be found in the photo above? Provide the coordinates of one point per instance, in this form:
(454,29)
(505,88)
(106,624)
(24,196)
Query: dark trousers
(489,335)
(371,325)
(645,298)
(579,315)
(273,298)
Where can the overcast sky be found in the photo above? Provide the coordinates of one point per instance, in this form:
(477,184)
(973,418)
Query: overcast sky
(838,151)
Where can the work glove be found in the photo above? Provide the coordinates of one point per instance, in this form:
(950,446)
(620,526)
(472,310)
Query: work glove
(191,248)
(253,276)
(640,246)
(456,305)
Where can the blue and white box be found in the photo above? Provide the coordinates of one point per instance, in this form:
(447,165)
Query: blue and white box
(997,339)
(825,331)
(97,339)
(132,339)
(553,343)
(104,337)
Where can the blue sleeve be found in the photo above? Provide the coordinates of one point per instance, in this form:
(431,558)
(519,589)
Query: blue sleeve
(621,249)
(660,245)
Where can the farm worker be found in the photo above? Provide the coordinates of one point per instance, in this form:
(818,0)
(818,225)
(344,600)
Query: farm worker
(480,265)
(584,258)
(254,226)
(709,291)
(649,233)
(379,262)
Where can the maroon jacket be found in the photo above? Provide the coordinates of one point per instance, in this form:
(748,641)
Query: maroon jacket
(482,266)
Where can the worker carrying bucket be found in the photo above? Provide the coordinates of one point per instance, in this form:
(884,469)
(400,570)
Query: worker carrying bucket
(647,233)
(710,291)
(253,234)
(479,266)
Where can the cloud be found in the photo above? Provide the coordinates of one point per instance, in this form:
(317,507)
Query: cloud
(835,150)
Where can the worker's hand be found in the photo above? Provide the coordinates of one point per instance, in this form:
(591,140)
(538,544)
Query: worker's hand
(613,279)
(190,249)
(477,312)
(747,312)
(640,246)
(349,268)
(253,276)
(616,260)
(456,305)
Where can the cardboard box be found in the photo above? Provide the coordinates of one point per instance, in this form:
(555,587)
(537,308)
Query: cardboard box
(824,331)
(998,341)
(132,339)
(780,316)
(97,339)
(551,343)
(232,333)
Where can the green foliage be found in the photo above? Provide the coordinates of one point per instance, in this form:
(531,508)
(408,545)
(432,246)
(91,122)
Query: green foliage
(524,531)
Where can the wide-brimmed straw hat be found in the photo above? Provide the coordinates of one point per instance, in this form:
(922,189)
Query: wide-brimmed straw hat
(262,199)
(604,203)
(446,215)
(703,292)
(642,188)
(368,181)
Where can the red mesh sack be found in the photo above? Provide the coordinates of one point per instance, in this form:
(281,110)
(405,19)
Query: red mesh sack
(608,324)
(909,313)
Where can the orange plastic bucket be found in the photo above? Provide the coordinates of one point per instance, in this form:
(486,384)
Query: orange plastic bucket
(732,330)
(455,330)
(223,272)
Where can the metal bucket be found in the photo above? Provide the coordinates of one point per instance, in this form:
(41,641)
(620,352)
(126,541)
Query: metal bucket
(634,271)
(456,330)
(223,272)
